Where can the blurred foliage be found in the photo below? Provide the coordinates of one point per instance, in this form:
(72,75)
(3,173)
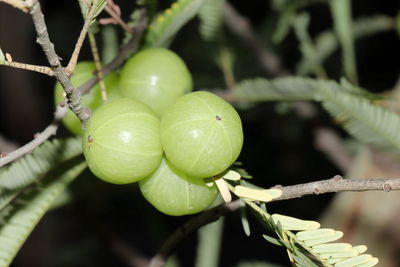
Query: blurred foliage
(279,146)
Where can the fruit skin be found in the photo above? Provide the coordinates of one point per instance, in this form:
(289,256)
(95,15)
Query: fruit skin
(156,77)
(84,71)
(201,134)
(175,193)
(121,142)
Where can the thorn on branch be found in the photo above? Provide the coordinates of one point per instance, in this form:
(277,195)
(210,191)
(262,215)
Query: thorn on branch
(387,187)
(337,178)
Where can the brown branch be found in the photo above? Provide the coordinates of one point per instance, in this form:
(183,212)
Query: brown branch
(335,184)
(30,67)
(192,225)
(50,130)
(73,96)
(74,58)
(125,51)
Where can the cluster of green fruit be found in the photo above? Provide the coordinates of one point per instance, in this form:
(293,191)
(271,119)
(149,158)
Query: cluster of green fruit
(156,132)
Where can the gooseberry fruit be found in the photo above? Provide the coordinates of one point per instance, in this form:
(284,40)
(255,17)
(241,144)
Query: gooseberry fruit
(175,193)
(84,71)
(121,142)
(156,77)
(201,134)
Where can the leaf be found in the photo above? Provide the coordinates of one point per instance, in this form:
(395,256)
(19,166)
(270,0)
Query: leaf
(19,218)
(32,167)
(280,89)
(286,17)
(326,43)
(209,244)
(272,240)
(367,122)
(166,25)
(307,46)
(310,247)
(245,221)
(2,57)
(211,20)
(342,18)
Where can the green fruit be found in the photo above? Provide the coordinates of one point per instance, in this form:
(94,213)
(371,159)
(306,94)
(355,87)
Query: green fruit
(156,77)
(112,82)
(121,142)
(201,134)
(175,193)
(84,71)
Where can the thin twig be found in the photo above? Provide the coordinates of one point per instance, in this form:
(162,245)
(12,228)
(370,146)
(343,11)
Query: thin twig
(192,225)
(335,184)
(74,57)
(115,16)
(30,67)
(17,4)
(97,62)
(73,96)
(39,138)
(125,51)
(129,255)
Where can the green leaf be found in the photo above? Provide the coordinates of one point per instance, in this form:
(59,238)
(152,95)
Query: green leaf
(367,122)
(245,221)
(32,167)
(326,43)
(166,25)
(209,244)
(211,20)
(272,240)
(19,218)
(307,47)
(341,13)
(280,89)
(286,17)
(292,89)
(2,57)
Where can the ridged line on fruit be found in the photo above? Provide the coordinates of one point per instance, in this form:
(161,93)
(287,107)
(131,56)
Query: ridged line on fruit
(132,114)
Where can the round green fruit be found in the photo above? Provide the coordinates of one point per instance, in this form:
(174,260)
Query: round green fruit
(201,134)
(156,77)
(121,142)
(84,71)
(175,193)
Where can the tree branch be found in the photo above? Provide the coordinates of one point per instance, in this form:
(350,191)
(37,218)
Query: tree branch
(60,112)
(192,225)
(24,66)
(335,184)
(73,95)
(126,50)
(74,58)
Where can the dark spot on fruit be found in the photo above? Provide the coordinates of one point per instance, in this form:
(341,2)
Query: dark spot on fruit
(90,139)
(218,118)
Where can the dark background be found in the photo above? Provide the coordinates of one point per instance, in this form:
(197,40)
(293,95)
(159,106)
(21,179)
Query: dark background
(278,148)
